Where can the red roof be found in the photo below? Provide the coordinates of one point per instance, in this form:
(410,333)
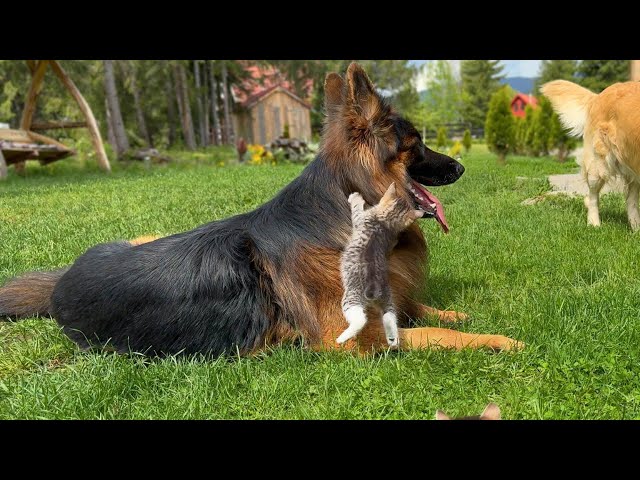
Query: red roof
(520,101)
(262,82)
(527,99)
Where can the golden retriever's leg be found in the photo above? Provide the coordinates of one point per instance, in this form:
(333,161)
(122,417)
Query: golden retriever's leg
(143,239)
(591,201)
(430,337)
(446,316)
(633,190)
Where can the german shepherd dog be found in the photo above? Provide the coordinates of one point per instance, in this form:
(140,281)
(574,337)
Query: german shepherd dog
(268,276)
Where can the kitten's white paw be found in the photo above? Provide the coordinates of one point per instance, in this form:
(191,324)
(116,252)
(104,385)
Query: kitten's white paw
(355,198)
(390,323)
(356,318)
(346,335)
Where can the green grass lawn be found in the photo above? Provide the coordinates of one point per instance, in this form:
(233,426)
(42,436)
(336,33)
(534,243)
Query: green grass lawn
(536,273)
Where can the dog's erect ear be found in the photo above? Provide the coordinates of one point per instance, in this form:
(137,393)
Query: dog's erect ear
(361,93)
(491,412)
(440,415)
(333,92)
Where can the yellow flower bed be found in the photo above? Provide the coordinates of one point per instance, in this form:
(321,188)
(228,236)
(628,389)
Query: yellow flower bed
(258,155)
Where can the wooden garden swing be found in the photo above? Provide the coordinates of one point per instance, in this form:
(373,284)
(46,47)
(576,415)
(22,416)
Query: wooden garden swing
(17,146)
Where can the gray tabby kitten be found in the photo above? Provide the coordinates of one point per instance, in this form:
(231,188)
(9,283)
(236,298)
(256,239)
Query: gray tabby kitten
(363,265)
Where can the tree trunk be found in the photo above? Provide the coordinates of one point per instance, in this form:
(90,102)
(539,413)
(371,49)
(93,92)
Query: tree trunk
(182,91)
(113,105)
(205,101)
(501,158)
(171,104)
(130,71)
(562,154)
(3,167)
(201,127)
(111,138)
(228,128)
(214,104)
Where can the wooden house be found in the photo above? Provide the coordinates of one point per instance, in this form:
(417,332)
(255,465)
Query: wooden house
(520,102)
(264,107)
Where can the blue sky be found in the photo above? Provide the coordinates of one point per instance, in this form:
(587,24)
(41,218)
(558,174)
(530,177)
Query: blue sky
(514,68)
(521,68)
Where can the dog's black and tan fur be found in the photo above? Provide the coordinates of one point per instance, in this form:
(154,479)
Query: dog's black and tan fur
(263,277)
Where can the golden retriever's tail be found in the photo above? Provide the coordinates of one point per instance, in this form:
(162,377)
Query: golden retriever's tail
(572,103)
(29,294)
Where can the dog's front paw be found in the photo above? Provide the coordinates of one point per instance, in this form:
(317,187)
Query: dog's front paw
(502,343)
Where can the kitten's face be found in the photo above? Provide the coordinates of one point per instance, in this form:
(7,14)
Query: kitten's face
(491,412)
(395,212)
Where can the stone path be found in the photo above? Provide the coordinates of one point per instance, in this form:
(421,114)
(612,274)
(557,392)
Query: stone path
(573,184)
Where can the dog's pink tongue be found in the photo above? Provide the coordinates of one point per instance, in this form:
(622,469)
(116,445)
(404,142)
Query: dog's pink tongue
(428,200)
(439,210)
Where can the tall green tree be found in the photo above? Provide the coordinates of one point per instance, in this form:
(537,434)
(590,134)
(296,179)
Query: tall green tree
(129,70)
(520,134)
(529,131)
(115,115)
(499,126)
(560,139)
(480,79)
(466,140)
(213,87)
(596,75)
(441,139)
(556,70)
(543,126)
(443,93)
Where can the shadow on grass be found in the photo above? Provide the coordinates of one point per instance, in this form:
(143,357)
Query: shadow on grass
(443,291)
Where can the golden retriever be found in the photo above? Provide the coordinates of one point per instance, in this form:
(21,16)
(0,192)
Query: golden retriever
(610,123)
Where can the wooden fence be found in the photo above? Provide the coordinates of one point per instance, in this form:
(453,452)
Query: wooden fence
(455,130)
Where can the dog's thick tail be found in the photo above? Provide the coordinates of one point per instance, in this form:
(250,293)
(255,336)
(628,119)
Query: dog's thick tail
(571,102)
(29,294)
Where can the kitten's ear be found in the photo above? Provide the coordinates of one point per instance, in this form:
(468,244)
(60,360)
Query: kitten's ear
(391,192)
(440,415)
(491,412)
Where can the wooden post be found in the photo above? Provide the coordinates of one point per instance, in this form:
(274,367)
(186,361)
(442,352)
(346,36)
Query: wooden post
(57,125)
(32,64)
(92,126)
(3,167)
(38,69)
(36,137)
(34,90)
(635,70)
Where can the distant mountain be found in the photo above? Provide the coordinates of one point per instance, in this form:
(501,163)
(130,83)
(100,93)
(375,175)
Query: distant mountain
(520,84)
